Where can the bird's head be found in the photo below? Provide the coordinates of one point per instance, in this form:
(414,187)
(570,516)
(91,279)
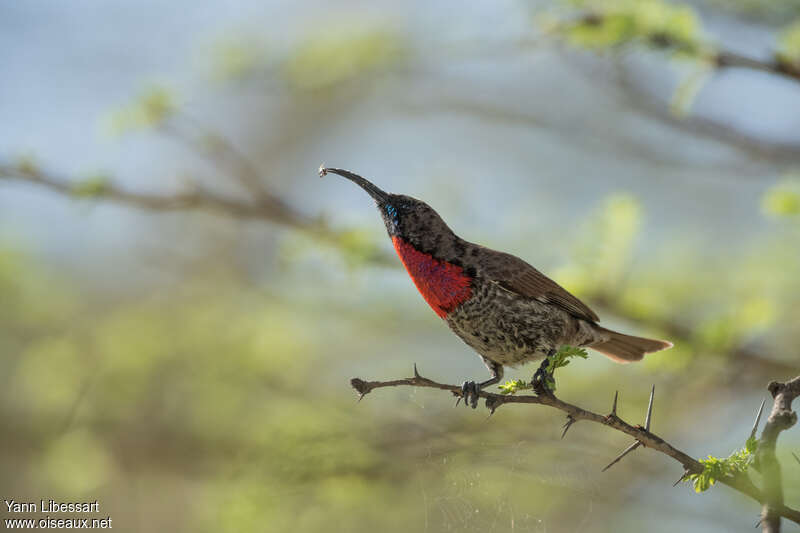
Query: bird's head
(403,215)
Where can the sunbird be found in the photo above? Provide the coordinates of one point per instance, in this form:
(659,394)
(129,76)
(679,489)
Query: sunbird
(502,307)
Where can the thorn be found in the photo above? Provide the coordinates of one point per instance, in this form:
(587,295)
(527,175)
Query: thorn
(628,450)
(649,409)
(361,397)
(568,425)
(758,418)
(683,476)
(458,401)
(758,523)
(614,407)
(796,458)
(416,374)
(492,405)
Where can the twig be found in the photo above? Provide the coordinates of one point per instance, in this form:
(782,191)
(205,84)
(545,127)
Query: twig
(634,95)
(642,435)
(780,419)
(720,58)
(218,151)
(777,66)
(195,199)
(199,200)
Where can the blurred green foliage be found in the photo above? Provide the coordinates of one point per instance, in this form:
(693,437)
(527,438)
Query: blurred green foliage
(612,23)
(602,252)
(150,109)
(789,43)
(325,60)
(236,60)
(777,12)
(783,199)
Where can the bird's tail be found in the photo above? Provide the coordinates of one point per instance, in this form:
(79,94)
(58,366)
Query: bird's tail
(626,348)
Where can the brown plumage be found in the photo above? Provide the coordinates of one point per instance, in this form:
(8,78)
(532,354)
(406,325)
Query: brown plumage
(505,309)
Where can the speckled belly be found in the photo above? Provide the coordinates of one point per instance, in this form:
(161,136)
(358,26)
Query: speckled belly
(509,329)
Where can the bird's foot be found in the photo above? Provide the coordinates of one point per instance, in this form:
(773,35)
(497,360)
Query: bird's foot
(543,381)
(470,392)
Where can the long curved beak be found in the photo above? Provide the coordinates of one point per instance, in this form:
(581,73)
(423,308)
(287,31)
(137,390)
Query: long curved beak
(377,194)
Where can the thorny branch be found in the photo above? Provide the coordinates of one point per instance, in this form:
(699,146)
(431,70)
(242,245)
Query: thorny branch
(643,435)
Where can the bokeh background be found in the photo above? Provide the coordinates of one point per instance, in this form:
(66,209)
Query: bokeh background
(183,300)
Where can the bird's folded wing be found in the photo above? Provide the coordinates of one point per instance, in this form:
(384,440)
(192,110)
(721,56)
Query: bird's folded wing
(515,275)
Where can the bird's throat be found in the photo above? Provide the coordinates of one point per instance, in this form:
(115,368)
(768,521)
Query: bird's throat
(443,285)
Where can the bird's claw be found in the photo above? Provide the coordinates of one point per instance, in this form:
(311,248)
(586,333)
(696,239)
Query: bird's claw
(541,379)
(470,392)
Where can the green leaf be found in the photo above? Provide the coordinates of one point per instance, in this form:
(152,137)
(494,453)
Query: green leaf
(561,359)
(512,387)
(715,468)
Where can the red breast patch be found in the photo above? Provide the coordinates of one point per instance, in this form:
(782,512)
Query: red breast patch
(443,285)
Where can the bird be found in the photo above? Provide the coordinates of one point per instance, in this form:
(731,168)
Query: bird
(498,304)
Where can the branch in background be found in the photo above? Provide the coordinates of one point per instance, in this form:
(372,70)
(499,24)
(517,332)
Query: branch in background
(635,97)
(220,153)
(644,437)
(676,31)
(195,199)
(724,59)
(266,208)
(780,419)
(683,39)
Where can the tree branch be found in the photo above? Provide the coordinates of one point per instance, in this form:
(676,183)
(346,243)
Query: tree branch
(719,58)
(725,59)
(267,207)
(220,152)
(643,436)
(635,96)
(780,419)
(194,199)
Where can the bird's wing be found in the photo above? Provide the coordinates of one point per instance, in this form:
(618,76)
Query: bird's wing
(515,275)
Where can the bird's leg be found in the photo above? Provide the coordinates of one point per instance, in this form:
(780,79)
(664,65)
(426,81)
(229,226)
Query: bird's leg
(542,376)
(470,390)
